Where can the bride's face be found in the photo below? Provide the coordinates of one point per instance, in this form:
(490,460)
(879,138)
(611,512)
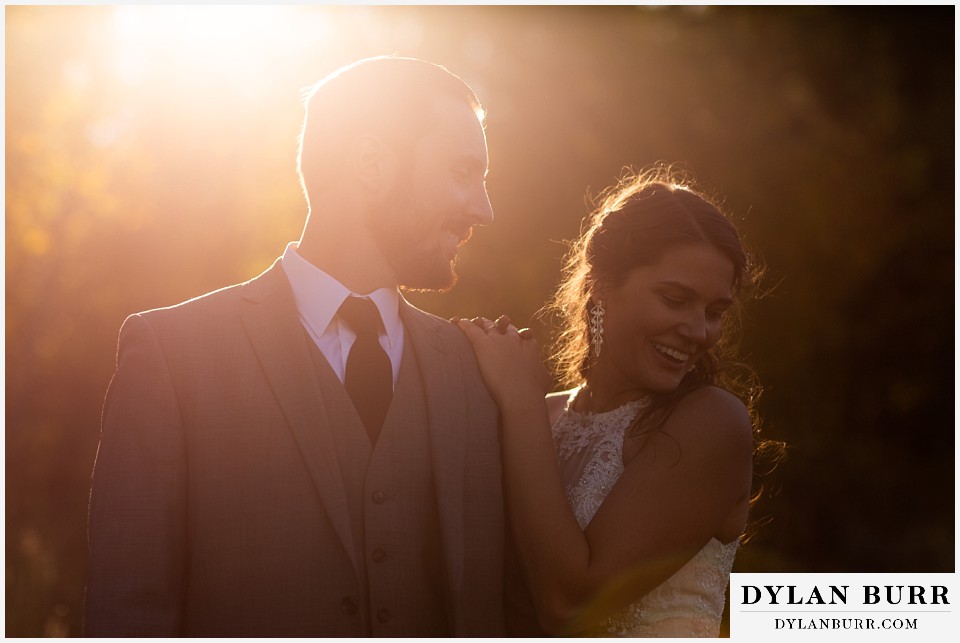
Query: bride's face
(662,319)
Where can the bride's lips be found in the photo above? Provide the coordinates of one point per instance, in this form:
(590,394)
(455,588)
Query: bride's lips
(672,355)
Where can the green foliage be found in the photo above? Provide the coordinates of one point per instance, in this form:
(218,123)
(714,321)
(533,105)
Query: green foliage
(828,130)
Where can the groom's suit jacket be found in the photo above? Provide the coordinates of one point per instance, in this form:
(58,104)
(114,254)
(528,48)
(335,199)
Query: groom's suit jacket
(218,505)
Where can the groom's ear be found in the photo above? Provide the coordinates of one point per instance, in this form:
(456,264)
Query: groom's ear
(373,162)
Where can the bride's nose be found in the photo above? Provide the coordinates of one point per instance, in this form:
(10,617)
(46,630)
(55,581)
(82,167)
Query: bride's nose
(694,327)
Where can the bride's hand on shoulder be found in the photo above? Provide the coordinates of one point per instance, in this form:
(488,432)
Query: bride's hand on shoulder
(509,360)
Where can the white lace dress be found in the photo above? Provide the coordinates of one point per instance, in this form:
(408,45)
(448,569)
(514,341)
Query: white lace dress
(689,603)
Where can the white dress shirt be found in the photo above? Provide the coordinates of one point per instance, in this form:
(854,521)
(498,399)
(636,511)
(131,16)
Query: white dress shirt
(319,296)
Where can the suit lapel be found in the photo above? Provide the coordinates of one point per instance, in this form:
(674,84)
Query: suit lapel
(270,317)
(442,379)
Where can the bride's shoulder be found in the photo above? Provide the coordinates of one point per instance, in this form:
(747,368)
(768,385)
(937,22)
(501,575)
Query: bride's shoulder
(557,403)
(711,414)
(714,400)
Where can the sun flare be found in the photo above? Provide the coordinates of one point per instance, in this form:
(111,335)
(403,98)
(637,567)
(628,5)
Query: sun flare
(222,38)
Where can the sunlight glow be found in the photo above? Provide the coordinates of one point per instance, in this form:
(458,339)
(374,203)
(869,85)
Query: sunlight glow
(211,37)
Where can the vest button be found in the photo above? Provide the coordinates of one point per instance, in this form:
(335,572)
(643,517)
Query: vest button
(348,606)
(378,497)
(379,555)
(383,616)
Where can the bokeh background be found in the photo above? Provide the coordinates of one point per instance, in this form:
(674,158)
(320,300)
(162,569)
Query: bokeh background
(150,158)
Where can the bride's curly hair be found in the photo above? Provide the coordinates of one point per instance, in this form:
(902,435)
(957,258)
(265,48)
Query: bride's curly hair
(637,220)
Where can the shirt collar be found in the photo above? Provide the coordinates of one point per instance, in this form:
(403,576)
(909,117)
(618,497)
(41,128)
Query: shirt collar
(318,296)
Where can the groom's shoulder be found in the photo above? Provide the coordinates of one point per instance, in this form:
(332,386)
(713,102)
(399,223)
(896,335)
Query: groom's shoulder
(215,308)
(429,329)
(426,320)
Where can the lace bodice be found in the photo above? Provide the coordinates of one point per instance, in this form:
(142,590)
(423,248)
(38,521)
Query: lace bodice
(689,603)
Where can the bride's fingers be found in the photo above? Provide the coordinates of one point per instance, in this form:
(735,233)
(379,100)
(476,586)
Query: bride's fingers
(507,329)
(483,323)
(471,329)
(479,327)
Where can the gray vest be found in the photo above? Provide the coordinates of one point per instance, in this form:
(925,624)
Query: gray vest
(393,508)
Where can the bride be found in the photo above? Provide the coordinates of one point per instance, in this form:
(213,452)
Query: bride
(628,494)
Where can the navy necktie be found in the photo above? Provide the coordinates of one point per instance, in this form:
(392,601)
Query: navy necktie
(369,375)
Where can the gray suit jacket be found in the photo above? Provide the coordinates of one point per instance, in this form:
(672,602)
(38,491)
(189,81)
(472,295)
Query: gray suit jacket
(217,505)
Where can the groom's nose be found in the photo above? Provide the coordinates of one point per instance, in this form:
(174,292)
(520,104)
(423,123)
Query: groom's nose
(480,209)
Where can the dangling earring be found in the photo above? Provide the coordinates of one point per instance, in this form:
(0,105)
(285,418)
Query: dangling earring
(596,326)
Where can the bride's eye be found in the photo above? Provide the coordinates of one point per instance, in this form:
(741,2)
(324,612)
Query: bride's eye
(672,302)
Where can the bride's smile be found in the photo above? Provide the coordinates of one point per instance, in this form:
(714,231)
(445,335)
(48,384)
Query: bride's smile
(661,320)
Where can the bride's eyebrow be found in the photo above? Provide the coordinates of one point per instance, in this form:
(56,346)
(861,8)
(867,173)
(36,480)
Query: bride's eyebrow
(687,290)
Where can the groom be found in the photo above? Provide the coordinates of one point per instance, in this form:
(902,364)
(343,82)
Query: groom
(306,453)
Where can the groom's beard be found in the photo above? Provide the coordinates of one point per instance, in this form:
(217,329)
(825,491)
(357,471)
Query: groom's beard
(410,240)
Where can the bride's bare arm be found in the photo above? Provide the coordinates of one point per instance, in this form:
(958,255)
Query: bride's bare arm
(671,499)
